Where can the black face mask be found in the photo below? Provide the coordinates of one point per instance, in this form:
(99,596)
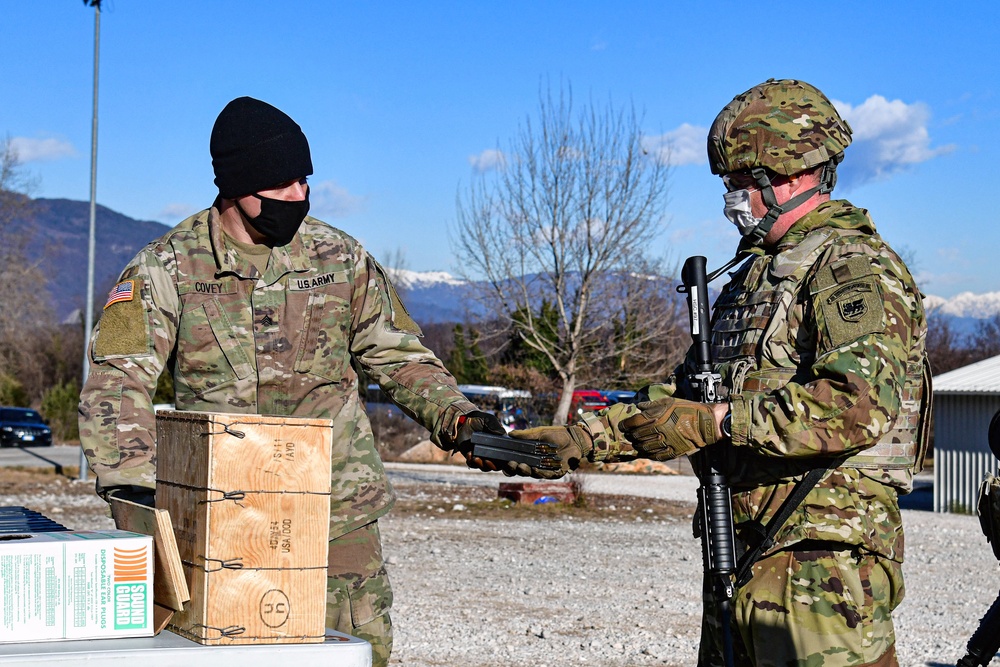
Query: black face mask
(278,219)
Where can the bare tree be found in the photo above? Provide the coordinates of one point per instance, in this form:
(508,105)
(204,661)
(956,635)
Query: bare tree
(946,348)
(395,263)
(986,338)
(646,336)
(25,310)
(16,187)
(568,218)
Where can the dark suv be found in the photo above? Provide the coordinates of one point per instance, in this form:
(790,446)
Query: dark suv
(21,426)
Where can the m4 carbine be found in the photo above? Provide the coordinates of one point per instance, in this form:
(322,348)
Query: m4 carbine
(714,500)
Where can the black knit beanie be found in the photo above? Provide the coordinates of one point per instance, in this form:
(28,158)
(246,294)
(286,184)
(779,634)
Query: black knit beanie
(255,146)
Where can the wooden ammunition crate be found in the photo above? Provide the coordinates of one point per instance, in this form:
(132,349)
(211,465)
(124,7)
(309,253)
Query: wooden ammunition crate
(249,497)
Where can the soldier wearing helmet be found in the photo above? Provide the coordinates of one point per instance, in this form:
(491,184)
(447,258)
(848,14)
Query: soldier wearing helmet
(819,338)
(777,133)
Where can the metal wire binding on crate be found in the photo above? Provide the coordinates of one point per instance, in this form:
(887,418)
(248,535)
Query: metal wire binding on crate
(227,428)
(236,630)
(230,631)
(238,494)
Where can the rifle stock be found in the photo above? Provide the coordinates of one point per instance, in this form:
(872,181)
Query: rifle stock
(715,503)
(985,643)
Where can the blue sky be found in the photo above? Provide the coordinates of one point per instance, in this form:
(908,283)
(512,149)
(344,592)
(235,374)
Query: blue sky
(401,99)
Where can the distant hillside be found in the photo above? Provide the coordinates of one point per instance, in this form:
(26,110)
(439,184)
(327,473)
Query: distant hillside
(61,232)
(61,227)
(431,297)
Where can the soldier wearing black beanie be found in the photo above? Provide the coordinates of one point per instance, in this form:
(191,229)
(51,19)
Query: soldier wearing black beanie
(256,146)
(255,307)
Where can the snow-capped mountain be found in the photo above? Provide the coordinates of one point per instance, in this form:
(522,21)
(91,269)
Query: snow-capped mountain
(405,279)
(60,244)
(966,304)
(434,296)
(438,296)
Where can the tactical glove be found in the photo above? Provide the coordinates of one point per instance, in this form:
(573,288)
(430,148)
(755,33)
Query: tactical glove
(670,427)
(473,422)
(573,442)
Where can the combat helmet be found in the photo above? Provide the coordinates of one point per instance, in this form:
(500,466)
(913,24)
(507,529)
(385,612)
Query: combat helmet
(782,127)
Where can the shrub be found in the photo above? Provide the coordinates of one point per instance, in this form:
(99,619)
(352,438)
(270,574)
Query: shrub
(12,392)
(59,407)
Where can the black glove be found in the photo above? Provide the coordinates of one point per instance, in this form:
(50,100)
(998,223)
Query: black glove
(473,422)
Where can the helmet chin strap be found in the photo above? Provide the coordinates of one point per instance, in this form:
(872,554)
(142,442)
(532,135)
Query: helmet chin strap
(774,209)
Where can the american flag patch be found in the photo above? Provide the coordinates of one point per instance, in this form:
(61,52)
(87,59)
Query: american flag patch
(123,291)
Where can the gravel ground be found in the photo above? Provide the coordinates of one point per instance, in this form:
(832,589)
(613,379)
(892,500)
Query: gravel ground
(621,586)
(613,583)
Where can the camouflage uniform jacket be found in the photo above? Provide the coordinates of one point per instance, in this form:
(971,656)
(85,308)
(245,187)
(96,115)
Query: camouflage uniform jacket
(282,343)
(821,342)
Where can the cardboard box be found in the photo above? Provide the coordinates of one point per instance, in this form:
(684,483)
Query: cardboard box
(75,585)
(249,498)
(170,590)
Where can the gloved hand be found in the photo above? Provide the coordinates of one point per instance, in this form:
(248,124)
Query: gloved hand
(670,427)
(573,444)
(473,422)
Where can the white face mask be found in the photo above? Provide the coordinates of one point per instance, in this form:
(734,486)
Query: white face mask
(738,210)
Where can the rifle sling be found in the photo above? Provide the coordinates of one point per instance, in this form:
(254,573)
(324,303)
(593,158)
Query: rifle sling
(760,538)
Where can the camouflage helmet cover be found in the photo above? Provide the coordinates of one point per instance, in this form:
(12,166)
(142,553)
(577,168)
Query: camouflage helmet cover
(786,126)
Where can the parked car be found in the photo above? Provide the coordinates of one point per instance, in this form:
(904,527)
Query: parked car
(618,396)
(512,407)
(586,400)
(23,426)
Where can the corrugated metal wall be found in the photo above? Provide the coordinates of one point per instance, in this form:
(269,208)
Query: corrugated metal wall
(962,455)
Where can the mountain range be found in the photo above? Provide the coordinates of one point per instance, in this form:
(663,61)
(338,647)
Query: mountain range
(60,242)
(59,231)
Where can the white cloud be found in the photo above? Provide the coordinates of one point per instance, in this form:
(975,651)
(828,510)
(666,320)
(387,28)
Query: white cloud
(489,159)
(889,136)
(682,235)
(328,199)
(685,145)
(42,150)
(176,212)
(950,255)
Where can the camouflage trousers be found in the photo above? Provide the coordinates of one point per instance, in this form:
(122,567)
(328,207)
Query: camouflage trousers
(811,608)
(358,594)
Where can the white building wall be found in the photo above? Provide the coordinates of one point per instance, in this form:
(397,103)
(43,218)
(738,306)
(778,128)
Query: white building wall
(962,455)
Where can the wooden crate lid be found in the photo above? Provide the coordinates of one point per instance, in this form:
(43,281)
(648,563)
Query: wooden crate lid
(170,587)
(236,452)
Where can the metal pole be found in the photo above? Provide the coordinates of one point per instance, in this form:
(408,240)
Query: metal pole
(89,321)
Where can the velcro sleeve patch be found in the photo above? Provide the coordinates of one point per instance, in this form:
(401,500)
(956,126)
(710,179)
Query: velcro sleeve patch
(848,302)
(399,318)
(124,327)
